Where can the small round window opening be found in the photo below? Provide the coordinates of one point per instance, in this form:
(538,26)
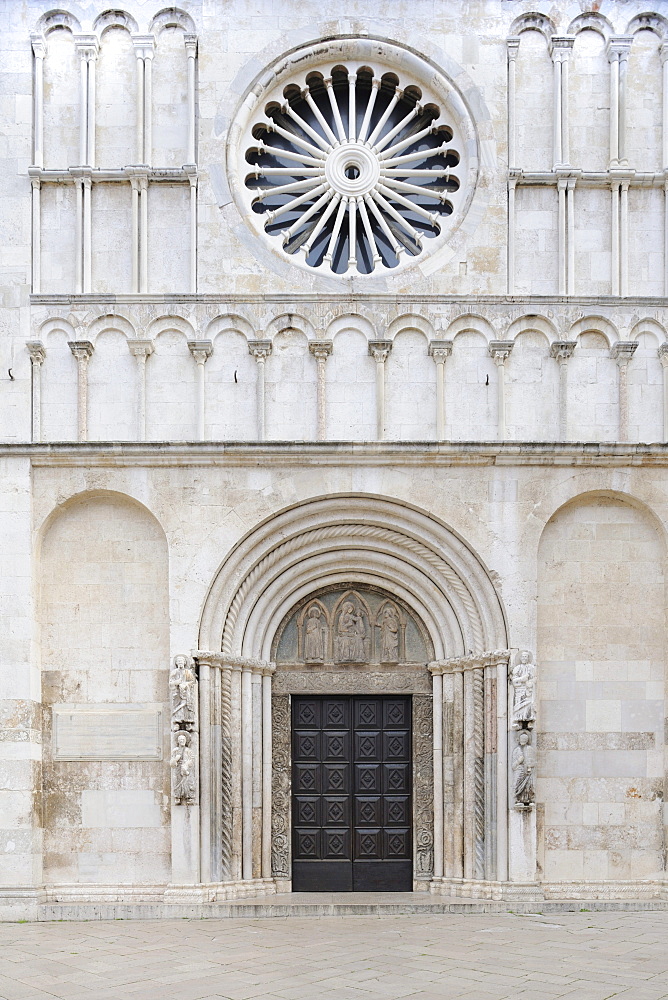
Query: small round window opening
(352,172)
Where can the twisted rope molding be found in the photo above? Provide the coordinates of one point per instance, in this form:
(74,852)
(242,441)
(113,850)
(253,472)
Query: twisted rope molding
(475,627)
(479,770)
(226,774)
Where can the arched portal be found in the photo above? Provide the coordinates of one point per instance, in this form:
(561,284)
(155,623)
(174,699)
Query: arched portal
(357,597)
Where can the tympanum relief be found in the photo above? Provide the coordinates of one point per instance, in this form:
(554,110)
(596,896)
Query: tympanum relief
(348,627)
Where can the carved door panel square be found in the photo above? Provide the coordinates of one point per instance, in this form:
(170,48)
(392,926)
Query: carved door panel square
(396,810)
(396,843)
(396,713)
(351,793)
(368,844)
(336,844)
(335,778)
(335,745)
(368,810)
(368,713)
(336,713)
(307,713)
(307,844)
(368,778)
(336,810)
(368,746)
(307,745)
(306,778)
(307,810)
(396,746)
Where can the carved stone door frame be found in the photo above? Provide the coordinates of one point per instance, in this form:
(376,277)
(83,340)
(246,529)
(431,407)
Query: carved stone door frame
(416,683)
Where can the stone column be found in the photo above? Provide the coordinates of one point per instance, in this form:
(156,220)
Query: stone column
(663,356)
(570,239)
(88,47)
(143,233)
(440,351)
(380,351)
(144,46)
(190,42)
(82,351)
(141,350)
(617,50)
(267,671)
(247,772)
(321,350)
(470,871)
(256,687)
(37,355)
(512,184)
(562,184)
(500,350)
(36,230)
(624,238)
(561,351)
(664,70)
(260,349)
(193,230)
(78,234)
(560,50)
(622,352)
(502,771)
(87,184)
(206,782)
(490,752)
(201,350)
(614,228)
(236,761)
(512,47)
(39,51)
(139,54)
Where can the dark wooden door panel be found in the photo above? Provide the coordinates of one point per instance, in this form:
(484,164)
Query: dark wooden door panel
(351,793)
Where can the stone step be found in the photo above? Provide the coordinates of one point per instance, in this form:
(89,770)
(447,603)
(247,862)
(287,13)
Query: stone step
(331,905)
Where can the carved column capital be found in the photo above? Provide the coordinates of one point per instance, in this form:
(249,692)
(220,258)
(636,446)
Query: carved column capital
(500,350)
(201,350)
(38,43)
(190,42)
(561,47)
(623,350)
(512,48)
(562,350)
(88,46)
(663,354)
(321,349)
(380,350)
(37,351)
(144,46)
(663,52)
(618,47)
(440,350)
(260,349)
(81,349)
(140,348)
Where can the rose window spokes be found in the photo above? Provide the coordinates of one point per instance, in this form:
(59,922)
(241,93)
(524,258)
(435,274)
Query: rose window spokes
(351,171)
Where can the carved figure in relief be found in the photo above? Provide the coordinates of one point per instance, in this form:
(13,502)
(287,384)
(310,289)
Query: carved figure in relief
(523,680)
(314,645)
(523,764)
(183,688)
(389,636)
(350,635)
(182,762)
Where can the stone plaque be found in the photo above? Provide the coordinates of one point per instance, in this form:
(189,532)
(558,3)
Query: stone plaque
(107,732)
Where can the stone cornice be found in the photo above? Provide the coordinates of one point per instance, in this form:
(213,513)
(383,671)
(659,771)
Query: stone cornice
(337,453)
(474,661)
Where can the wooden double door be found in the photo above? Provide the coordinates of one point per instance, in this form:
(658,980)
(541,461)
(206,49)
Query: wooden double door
(351,794)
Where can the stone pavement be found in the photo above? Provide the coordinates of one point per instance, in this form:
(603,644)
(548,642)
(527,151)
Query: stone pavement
(582,956)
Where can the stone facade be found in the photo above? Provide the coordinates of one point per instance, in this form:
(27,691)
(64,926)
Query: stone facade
(221,413)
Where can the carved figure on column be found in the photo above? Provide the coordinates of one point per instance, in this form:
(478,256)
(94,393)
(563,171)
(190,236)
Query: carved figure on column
(351,634)
(183,691)
(523,764)
(523,681)
(389,636)
(314,645)
(184,769)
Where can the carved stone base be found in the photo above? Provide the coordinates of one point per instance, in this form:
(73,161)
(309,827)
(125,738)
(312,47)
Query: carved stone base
(462,888)
(585,890)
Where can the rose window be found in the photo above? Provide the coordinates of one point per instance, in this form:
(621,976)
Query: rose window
(350,169)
